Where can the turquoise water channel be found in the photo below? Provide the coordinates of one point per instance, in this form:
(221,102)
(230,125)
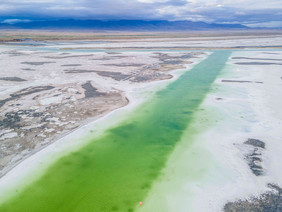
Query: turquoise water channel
(116,171)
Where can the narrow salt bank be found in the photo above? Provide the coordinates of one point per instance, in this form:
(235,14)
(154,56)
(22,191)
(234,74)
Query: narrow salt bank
(116,171)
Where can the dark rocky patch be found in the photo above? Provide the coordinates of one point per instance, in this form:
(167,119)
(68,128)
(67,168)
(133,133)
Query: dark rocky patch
(90,91)
(241,81)
(13,53)
(11,120)
(3,101)
(16,79)
(37,114)
(125,64)
(36,63)
(69,56)
(257,63)
(28,69)
(109,57)
(113,52)
(143,78)
(172,62)
(115,75)
(78,71)
(255,143)
(165,57)
(267,202)
(186,56)
(254,156)
(252,58)
(31,90)
(71,65)
(25,92)
(149,77)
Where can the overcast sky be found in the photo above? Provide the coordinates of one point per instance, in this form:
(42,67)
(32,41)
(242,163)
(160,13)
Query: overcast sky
(249,12)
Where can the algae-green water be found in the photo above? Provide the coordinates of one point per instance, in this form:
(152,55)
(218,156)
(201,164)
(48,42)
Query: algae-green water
(115,171)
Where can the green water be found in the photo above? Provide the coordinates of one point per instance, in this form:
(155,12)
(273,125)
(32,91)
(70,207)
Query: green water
(116,171)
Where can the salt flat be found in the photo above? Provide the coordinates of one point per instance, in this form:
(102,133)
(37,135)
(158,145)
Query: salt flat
(227,158)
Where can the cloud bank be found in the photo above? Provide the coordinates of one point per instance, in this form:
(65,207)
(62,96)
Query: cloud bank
(248,12)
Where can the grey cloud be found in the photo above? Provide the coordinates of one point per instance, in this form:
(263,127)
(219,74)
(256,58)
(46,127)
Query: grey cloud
(199,10)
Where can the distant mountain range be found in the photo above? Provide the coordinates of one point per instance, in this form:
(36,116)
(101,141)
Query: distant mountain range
(132,25)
